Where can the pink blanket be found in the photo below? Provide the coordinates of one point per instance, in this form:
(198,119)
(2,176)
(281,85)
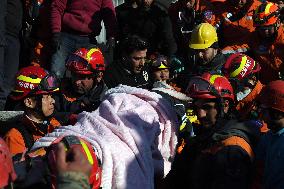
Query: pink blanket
(134,134)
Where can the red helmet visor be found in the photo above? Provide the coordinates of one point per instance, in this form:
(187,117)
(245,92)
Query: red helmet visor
(77,63)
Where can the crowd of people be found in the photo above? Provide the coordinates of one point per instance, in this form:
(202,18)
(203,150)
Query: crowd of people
(185,96)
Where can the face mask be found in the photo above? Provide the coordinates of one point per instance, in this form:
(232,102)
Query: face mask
(242,94)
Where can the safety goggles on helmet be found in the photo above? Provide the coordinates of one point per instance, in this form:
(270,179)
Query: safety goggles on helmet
(198,87)
(48,83)
(160,63)
(201,88)
(76,63)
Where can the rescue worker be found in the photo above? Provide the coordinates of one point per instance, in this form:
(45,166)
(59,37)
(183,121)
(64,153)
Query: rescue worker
(236,25)
(207,54)
(268,42)
(243,73)
(69,162)
(270,149)
(130,68)
(83,91)
(81,170)
(159,68)
(204,41)
(7,173)
(33,92)
(221,153)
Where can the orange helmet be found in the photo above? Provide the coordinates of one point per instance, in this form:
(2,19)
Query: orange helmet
(7,173)
(86,61)
(272,95)
(33,80)
(266,14)
(240,66)
(86,148)
(210,86)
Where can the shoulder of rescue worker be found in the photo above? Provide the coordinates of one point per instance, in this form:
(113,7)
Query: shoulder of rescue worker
(14,134)
(15,141)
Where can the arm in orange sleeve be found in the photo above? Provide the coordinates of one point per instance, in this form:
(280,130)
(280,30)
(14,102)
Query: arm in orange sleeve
(15,141)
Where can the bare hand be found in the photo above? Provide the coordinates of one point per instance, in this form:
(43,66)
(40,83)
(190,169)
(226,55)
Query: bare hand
(79,162)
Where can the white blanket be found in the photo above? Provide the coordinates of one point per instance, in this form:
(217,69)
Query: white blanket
(134,134)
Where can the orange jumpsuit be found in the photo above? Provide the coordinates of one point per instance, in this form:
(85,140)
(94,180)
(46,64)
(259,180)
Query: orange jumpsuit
(270,56)
(246,105)
(236,26)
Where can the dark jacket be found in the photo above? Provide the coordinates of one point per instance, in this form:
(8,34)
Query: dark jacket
(116,74)
(153,24)
(83,17)
(220,158)
(215,66)
(14,17)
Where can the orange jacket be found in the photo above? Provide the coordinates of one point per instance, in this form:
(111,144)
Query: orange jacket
(270,56)
(246,105)
(15,140)
(235,32)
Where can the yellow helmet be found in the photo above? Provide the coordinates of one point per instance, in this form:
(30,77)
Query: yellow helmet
(203,36)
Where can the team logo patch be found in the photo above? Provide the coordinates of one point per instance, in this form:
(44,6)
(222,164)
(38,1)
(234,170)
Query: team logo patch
(208,15)
(145,75)
(26,85)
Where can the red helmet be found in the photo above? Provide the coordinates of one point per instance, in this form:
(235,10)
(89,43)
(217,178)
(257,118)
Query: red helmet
(266,14)
(86,148)
(33,80)
(7,173)
(210,86)
(239,66)
(86,61)
(272,95)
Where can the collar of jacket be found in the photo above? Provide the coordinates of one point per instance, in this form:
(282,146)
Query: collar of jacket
(39,129)
(216,64)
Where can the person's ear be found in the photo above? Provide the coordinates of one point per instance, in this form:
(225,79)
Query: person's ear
(216,51)
(30,102)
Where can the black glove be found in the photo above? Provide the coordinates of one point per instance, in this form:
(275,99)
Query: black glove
(93,99)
